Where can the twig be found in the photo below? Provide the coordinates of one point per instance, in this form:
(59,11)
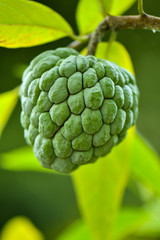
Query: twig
(140,7)
(116,23)
(75,44)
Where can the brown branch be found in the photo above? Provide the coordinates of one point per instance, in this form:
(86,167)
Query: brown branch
(116,23)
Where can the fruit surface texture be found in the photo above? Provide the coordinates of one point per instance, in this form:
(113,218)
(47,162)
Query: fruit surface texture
(75,109)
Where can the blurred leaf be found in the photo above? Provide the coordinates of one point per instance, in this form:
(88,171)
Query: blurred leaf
(76,231)
(100,189)
(20,159)
(145,164)
(114,52)
(19,228)
(27,23)
(151,228)
(119,7)
(115,7)
(8,102)
(90,14)
(128,222)
(105,6)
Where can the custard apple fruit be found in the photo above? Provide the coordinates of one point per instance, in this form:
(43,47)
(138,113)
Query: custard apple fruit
(75,109)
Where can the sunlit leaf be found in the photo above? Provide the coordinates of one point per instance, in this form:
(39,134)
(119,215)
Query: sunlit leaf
(20,159)
(76,231)
(119,7)
(19,228)
(105,6)
(88,16)
(130,221)
(151,228)
(27,23)
(100,189)
(145,164)
(8,101)
(115,52)
(90,13)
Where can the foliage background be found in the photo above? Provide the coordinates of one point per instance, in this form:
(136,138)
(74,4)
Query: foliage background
(49,200)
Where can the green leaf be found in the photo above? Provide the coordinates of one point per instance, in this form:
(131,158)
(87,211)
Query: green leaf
(130,221)
(88,16)
(21,159)
(76,231)
(105,6)
(100,189)
(145,164)
(151,228)
(119,7)
(27,23)
(8,102)
(115,52)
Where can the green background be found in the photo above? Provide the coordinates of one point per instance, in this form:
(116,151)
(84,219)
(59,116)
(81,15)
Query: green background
(48,199)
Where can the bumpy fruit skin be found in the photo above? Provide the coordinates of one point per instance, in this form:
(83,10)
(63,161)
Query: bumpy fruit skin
(75,109)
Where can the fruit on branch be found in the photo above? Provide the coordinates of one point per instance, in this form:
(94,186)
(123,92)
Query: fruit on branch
(75,109)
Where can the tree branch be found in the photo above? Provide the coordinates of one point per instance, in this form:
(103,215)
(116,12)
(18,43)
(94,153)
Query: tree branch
(116,23)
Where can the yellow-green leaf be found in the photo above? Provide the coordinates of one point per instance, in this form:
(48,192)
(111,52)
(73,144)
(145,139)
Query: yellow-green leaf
(8,101)
(105,6)
(100,189)
(27,23)
(151,228)
(129,221)
(119,6)
(88,16)
(145,164)
(115,52)
(90,13)
(76,231)
(21,159)
(20,228)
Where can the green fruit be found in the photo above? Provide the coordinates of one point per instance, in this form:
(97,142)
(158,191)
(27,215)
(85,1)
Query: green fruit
(75,109)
